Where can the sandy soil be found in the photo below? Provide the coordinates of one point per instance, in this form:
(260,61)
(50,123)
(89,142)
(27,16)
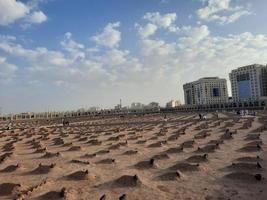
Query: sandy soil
(137,157)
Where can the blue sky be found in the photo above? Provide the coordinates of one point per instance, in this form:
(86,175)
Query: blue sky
(63,55)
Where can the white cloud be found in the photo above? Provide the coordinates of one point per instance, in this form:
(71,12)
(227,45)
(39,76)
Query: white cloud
(256,41)
(110,37)
(113,58)
(36,17)
(35,56)
(147,30)
(163,21)
(221,11)
(196,51)
(74,65)
(236,15)
(75,49)
(160,65)
(193,35)
(157,48)
(13,10)
(7,71)
(156,21)
(213,7)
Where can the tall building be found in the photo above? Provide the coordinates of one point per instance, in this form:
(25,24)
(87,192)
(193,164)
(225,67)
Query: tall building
(249,83)
(208,90)
(264,82)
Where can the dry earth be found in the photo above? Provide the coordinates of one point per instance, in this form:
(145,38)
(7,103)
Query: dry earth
(136,157)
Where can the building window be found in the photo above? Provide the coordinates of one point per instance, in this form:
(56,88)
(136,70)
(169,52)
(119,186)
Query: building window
(215,92)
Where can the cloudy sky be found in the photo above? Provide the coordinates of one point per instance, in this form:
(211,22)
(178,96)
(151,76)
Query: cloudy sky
(63,55)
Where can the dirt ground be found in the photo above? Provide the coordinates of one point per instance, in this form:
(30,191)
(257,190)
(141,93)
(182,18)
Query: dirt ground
(136,158)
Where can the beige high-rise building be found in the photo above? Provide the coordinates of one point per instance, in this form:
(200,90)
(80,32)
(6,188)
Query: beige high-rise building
(173,104)
(249,83)
(208,90)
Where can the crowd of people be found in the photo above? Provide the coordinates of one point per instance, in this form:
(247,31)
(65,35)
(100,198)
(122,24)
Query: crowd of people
(246,112)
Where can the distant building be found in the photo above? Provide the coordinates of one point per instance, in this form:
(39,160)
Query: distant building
(249,83)
(94,109)
(137,106)
(173,104)
(208,90)
(118,107)
(152,105)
